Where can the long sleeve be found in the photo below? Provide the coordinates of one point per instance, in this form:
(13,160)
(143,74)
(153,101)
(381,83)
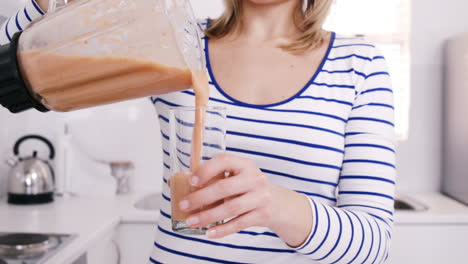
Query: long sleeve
(20,21)
(358,229)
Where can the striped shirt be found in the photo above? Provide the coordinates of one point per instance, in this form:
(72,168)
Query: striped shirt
(20,21)
(333,142)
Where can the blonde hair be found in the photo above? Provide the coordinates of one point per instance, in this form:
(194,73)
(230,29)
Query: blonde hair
(308,20)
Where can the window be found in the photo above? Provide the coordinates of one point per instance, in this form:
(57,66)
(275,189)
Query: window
(386,23)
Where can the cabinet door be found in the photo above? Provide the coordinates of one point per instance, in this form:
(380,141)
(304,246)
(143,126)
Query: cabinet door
(135,242)
(427,244)
(105,250)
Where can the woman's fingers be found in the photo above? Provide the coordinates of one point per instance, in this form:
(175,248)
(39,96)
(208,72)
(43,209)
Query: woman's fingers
(244,221)
(217,191)
(247,196)
(218,165)
(230,208)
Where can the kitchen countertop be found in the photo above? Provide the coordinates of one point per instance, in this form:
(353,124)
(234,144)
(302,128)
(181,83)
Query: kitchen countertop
(88,218)
(440,210)
(92,218)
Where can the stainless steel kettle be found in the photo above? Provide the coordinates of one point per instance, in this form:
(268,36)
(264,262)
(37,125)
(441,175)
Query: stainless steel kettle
(31,180)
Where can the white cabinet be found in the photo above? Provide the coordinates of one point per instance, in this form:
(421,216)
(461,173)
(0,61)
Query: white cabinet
(428,244)
(136,242)
(104,250)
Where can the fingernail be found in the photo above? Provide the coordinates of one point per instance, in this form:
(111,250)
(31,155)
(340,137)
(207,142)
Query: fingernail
(192,221)
(194,180)
(183,205)
(211,233)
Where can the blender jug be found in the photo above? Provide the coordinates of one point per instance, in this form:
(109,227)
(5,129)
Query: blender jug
(96,52)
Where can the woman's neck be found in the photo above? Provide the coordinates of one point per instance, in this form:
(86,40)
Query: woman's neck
(268,22)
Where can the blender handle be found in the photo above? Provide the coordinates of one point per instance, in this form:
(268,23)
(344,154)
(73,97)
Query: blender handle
(43,139)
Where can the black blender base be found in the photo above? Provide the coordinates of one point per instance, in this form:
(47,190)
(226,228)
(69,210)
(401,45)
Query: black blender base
(26,199)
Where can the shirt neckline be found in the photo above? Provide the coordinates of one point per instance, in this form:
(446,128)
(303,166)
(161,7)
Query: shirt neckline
(238,102)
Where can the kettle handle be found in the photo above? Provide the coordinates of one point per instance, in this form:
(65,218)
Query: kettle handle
(43,139)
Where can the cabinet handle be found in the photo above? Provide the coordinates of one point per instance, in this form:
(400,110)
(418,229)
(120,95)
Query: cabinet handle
(118,251)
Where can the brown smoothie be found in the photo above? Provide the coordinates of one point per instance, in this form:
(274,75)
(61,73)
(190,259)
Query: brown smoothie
(201,88)
(180,188)
(66,83)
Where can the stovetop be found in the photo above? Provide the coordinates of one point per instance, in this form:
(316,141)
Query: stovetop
(27,248)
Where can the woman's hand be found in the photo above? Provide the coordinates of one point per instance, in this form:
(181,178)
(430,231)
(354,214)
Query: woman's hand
(248,194)
(249,199)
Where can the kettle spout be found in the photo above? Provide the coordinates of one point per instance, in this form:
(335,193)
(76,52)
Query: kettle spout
(12,161)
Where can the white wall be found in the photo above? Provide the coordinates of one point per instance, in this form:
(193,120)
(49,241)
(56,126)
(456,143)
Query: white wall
(204,8)
(433,21)
(9,7)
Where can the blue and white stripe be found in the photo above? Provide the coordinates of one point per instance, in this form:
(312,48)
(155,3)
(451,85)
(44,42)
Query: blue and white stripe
(332,141)
(20,21)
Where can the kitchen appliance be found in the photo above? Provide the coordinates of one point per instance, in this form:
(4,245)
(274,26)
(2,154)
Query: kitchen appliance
(25,248)
(455,176)
(31,180)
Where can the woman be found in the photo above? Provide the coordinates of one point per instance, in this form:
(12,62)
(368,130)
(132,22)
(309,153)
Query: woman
(310,143)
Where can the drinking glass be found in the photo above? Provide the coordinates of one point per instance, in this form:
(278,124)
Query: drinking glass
(185,157)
